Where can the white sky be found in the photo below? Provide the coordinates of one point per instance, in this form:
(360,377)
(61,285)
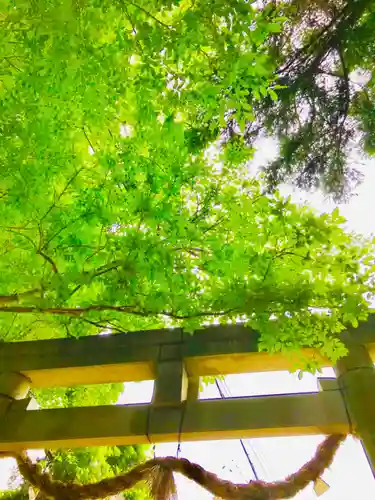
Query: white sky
(274,458)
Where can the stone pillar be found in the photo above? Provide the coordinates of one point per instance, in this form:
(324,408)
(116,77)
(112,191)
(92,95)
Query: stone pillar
(356,379)
(173,391)
(13,386)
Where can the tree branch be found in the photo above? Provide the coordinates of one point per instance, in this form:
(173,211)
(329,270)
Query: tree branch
(49,260)
(69,182)
(101,326)
(194,252)
(16,297)
(16,232)
(80,311)
(149,14)
(46,244)
(217,223)
(88,140)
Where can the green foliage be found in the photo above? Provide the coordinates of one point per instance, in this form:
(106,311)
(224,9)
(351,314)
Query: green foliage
(222,251)
(87,464)
(123,208)
(323,110)
(19,493)
(103,106)
(90,395)
(116,213)
(145,87)
(148,230)
(93,464)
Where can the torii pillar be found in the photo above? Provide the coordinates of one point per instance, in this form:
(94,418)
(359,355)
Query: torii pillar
(356,379)
(13,386)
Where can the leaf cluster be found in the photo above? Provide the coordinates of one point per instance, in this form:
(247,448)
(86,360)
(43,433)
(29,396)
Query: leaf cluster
(120,209)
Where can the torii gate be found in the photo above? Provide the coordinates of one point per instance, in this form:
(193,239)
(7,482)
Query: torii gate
(176,360)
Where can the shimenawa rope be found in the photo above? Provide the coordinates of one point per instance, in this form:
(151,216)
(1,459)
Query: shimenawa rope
(158,472)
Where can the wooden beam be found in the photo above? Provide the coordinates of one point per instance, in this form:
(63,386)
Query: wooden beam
(285,415)
(134,356)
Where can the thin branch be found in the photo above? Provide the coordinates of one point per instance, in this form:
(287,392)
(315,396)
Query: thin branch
(149,15)
(23,333)
(68,334)
(107,267)
(61,194)
(10,326)
(98,272)
(7,59)
(305,51)
(134,31)
(194,252)
(268,268)
(16,297)
(65,246)
(38,251)
(97,250)
(213,225)
(17,228)
(344,111)
(88,140)
(21,234)
(101,326)
(49,260)
(79,311)
(281,254)
(63,228)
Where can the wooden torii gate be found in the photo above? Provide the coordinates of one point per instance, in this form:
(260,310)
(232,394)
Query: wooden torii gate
(176,360)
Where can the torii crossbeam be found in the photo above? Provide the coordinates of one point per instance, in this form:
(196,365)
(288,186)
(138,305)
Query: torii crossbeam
(176,360)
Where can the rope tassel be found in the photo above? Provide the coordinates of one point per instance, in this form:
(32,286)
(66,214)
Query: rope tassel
(158,472)
(162,484)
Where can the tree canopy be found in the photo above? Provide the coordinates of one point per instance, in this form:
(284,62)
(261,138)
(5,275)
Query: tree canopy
(118,214)
(125,197)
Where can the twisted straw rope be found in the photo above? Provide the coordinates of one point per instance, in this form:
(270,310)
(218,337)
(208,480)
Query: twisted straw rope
(158,472)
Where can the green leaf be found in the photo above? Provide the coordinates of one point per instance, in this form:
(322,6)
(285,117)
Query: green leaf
(273,94)
(274,27)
